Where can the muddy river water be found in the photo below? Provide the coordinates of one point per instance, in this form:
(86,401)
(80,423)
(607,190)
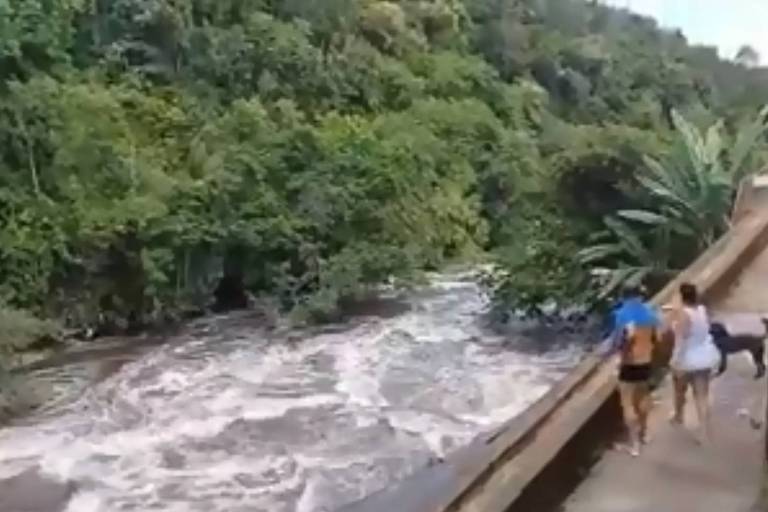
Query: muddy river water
(228,416)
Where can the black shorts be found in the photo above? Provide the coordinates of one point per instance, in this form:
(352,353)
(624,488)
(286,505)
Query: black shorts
(635,373)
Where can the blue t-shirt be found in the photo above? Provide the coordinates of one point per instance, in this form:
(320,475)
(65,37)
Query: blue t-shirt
(635,311)
(631,311)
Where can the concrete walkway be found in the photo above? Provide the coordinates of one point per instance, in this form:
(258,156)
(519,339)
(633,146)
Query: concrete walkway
(674,474)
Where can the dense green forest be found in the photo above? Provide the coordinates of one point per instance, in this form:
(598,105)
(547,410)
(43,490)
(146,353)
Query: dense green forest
(308,149)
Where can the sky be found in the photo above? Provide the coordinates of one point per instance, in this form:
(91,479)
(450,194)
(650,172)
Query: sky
(727,24)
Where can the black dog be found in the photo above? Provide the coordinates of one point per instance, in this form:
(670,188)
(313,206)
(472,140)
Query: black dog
(728,344)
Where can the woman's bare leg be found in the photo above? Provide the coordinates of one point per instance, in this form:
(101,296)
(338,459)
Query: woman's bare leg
(643,408)
(701,397)
(627,394)
(680,384)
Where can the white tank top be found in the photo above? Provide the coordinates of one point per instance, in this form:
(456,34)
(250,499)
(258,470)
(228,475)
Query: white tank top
(696,351)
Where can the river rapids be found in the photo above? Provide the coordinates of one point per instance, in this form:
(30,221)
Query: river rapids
(229,416)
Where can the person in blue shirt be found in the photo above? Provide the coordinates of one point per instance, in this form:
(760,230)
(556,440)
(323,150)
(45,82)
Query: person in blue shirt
(634,336)
(630,309)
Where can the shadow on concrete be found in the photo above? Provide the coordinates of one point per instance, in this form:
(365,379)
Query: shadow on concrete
(549,490)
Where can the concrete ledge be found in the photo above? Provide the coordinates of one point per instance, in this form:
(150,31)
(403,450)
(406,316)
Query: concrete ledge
(490,474)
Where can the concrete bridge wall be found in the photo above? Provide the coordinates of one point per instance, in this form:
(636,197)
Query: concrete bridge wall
(522,465)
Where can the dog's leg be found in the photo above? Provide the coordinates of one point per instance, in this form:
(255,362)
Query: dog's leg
(758,355)
(723,363)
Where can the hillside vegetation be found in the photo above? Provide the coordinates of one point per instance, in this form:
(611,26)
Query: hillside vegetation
(154,150)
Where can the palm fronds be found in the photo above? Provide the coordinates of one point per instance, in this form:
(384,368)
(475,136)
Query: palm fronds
(690,192)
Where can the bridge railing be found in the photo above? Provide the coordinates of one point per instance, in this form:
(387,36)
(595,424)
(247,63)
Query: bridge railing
(491,474)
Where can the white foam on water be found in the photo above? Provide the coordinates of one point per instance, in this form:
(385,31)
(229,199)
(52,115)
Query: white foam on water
(440,433)
(227,421)
(275,408)
(85,502)
(356,363)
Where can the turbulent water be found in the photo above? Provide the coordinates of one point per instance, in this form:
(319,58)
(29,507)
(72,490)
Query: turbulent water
(228,417)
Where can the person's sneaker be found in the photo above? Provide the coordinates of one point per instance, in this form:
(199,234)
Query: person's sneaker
(634,451)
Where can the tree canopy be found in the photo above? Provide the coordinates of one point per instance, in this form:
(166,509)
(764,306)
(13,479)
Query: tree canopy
(312,149)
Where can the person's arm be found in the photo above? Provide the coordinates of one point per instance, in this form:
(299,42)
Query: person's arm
(613,342)
(658,335)
(658,327)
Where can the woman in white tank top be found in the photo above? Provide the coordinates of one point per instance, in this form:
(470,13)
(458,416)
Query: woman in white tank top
(695,350)
(694,358)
